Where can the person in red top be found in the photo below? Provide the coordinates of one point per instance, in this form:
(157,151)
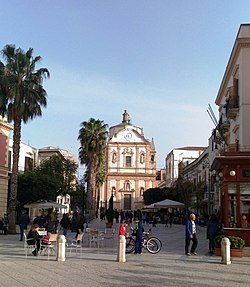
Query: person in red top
(122,229)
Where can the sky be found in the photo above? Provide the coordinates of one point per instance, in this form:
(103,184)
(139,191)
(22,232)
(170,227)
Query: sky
(161,60)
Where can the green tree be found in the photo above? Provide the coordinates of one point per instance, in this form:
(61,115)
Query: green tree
(93,139)
(185,190)
(153,195)
(62,170)
(54,176)
(22,98)
(34,185)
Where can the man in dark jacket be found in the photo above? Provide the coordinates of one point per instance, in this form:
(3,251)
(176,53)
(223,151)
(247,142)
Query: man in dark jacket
(139,234)
(24,220)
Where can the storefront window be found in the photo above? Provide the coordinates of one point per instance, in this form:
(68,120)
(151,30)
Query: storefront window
(232,215)
(245,204)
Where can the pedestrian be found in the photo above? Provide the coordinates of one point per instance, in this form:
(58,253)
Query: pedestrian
(24,220)
(3,226)
(191,235)
(166,219)
(138,236)
(80,223)
(213,228)
(122,228)
(65,223)
(171,219)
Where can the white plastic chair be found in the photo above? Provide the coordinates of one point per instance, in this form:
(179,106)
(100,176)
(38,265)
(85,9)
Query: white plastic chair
(76,244)
(49,249)
(94,238)
(28,247)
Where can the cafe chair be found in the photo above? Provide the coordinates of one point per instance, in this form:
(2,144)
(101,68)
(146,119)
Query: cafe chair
(27,247)
(50,247)
(94,238)
(75,244)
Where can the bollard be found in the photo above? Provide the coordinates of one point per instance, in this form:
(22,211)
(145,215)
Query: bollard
(121,255)
(225,251)
(61,242)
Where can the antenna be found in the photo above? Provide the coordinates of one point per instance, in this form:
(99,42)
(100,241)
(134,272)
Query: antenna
(212,115)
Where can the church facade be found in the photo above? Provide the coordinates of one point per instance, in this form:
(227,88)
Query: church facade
(130,166)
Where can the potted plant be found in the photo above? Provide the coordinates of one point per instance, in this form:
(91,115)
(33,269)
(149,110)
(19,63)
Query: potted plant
(217,243)
(236,246)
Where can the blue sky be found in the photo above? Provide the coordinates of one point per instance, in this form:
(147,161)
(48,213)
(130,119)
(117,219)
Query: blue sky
(161,60)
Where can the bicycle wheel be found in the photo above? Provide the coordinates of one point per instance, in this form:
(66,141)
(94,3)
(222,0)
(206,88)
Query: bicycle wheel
(130,244)
(158,241)
(153,245)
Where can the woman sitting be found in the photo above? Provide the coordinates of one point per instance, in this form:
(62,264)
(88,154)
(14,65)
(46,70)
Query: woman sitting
(33,238)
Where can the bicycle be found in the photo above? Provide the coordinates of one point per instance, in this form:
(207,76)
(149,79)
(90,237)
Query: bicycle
(152,244)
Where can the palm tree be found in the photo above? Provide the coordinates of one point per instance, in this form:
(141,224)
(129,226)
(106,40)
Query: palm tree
(93,138)
(22,97)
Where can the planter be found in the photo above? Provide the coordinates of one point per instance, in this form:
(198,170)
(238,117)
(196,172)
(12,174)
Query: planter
(233,252)
(236,252)
(109,224)
(217,251)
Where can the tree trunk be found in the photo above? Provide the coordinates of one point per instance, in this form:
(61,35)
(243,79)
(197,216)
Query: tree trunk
(13,179)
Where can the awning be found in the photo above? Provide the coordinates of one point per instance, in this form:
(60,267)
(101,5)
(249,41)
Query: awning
(45,204)
(166,203)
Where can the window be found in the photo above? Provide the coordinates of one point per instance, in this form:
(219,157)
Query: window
(232,215)
(9,161)
(245,204)
(28,163)
(128,161)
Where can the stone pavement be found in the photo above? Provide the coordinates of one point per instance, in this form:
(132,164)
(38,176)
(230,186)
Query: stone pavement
(98,267)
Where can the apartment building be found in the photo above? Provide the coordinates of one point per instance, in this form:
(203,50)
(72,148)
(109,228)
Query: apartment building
(232,135)
(184,155)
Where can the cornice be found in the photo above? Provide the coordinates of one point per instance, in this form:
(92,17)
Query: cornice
(5,125)
(230,68)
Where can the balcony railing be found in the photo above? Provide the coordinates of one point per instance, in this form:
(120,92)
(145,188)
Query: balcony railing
(235,148)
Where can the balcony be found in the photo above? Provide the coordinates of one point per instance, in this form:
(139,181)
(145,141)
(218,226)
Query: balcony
(232,105)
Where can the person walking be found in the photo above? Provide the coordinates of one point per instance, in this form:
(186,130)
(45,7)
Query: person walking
(191,236)
(166,219)
(24,220)
(138,236)
(65,223)
(213,227)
